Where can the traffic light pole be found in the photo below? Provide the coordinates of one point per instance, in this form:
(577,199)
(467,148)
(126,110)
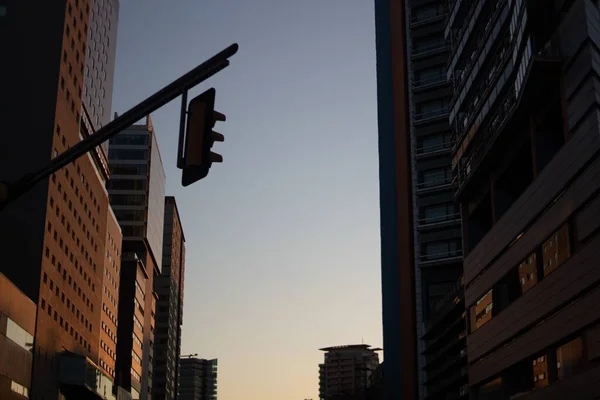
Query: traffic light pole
(11,191)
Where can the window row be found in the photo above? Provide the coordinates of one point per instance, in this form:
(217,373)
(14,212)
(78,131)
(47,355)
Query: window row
(109,313)
(110,296)
(107,367)
(108,350)
(109,332)
(545,259)
(65,324)
(552,365)
(68,279)
(63,297)
(74,261)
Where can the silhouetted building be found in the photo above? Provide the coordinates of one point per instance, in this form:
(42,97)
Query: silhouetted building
(137,195)
(197,379)
(54,237)
(346,371)
(445,348)
(421,238)
(525,115)
(17,327)
(169,307)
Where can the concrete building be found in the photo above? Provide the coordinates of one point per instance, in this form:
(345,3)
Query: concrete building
(56,233)
(346,371)
(169,306)
(137,193)
(17,327)
(421,238)
(197,379)
(525,115)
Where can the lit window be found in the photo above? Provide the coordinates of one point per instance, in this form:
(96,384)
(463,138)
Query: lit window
(14,386)
(18,335)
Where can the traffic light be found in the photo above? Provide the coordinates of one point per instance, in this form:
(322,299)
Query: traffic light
(200,137)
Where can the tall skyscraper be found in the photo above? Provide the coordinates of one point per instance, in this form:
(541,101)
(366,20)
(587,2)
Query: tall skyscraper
(197,379)
(525,115)
(137,195)
(169,306)
(346,371)
(54,237)
(421,238)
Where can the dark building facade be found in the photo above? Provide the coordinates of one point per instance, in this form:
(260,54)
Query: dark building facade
(169,306)
(197,379)
(526,117)
(56,233)
(137,192)
(17,326)
(421,238)
(445,348)
(346,371)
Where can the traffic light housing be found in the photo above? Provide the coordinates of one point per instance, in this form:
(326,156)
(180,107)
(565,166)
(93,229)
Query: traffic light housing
(200,137)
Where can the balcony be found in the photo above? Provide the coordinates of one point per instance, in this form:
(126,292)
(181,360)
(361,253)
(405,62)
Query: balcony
(441,221)
(435,183)
(429,50)
(439,14)
(429,81)
(431,116)
(445,257)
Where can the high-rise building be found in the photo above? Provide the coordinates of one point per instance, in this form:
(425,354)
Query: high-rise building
(525,115)
(137,195)
(346,371)
(54,237)
(197,379)
(421,238)
(169,306)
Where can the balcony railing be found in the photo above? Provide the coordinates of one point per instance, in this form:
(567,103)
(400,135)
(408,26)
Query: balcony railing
(429,49)
(471,160)
(436,148)
(430,80)
(439,219)
(439,257)
(429,115)
(437,183)
(439,14)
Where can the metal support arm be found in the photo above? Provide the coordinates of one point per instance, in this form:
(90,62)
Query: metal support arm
(10,191)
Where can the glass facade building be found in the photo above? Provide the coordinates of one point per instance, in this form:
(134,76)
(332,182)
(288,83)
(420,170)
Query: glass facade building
(137,195)
(100,62)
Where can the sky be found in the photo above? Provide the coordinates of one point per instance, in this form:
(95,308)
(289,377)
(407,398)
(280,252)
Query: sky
(283,253)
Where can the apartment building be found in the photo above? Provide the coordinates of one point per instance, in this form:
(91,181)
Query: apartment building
(421,238)
(527,167)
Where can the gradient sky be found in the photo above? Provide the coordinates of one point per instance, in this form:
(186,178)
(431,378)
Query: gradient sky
(283,237)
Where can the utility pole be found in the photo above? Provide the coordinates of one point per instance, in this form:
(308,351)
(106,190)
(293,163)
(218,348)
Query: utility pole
(10,191)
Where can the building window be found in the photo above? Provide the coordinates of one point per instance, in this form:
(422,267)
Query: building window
(435,177)
(14,386)
(540,372)
(556,250)
(438,213)
(527,271)
(569,358)
(481,312)
(440,250)
(18,335)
